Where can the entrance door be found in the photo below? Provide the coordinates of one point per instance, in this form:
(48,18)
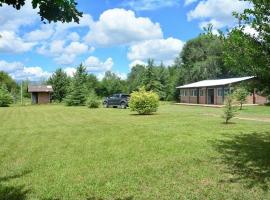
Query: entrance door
(34,98)
(211,95)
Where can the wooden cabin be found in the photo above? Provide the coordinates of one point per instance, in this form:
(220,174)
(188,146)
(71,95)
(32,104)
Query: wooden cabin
(215,91)
(40,94)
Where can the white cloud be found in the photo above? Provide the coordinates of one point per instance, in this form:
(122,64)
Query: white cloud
(70,71)
(136,62)
(120,26)
(188,2)
(75,37)
(93,64)
(62,53)
(12,19)
(40,34)
(165,50)
(11,43)
(122,76)
(10,67)
(149,4)
(19,71)
(217,12)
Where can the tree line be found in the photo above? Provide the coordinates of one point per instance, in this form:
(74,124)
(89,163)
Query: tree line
(208,56)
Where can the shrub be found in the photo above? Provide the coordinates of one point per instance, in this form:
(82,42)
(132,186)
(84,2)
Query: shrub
(229,109)
(144,102)
(5,97)
(92,101)
(240,95)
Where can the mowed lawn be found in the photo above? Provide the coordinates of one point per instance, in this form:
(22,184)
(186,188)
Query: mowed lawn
(57,152)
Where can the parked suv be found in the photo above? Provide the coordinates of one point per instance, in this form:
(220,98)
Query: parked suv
(119,100)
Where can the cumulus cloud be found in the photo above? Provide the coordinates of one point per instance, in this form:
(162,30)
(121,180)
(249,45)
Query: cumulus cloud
(136,62)
(19,71)
(188,2)
(70,71)
(12,19)
(39,34)
(120,26)
(10,42)
(149,4)
(93,64)
(217,12)
(165,50)
(62,53)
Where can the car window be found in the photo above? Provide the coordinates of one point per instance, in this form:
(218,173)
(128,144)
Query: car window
(116,95)
(125,96)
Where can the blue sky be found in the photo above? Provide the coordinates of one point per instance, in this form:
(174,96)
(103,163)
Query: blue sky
(112,35)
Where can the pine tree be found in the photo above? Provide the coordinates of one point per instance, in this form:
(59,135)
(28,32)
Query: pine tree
(60,82)
(78,90)
(5,97)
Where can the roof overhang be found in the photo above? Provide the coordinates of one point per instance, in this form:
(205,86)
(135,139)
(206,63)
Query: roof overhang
(212,83)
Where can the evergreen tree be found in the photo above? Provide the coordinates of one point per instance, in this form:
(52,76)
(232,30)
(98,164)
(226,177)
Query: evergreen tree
(5,97)
(136,78)
(60,83)
(163,77)
(78,91)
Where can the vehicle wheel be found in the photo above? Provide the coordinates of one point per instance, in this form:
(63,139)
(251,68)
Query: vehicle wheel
(105,105)
(123,105)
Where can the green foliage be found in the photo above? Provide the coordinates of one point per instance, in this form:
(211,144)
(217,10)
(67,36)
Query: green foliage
(5,97)
(78,91)
(135,78)
(240,95)
(52,11)
(229,109)
(201,58)
(92,100)
(111,84)
(156,78)
(144,102)
(6,80)
(60,83)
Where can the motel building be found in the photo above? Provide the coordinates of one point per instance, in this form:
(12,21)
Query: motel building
(214,92)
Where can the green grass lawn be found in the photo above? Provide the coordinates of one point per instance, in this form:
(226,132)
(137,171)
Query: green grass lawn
(56,152)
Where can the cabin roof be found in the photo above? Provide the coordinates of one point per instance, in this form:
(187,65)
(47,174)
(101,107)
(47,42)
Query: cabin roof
(217,82)
(40,88)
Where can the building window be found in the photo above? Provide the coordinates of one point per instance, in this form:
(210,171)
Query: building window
(184,93)
(201,92)
(193,92)
(220,92)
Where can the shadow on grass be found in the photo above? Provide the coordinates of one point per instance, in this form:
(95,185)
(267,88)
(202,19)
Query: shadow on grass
(12,192)
(247,157)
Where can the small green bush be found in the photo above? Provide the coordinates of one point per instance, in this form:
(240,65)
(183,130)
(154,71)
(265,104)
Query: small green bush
(5,97)
(144,102)
(92,101)
(229,109)
(240,95)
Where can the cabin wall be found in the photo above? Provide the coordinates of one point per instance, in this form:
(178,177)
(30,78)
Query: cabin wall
(43,97)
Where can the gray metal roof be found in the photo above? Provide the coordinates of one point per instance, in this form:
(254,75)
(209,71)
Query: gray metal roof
(218,82)
(40,88)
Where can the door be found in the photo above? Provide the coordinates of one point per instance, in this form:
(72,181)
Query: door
(211,96)
(34,98)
